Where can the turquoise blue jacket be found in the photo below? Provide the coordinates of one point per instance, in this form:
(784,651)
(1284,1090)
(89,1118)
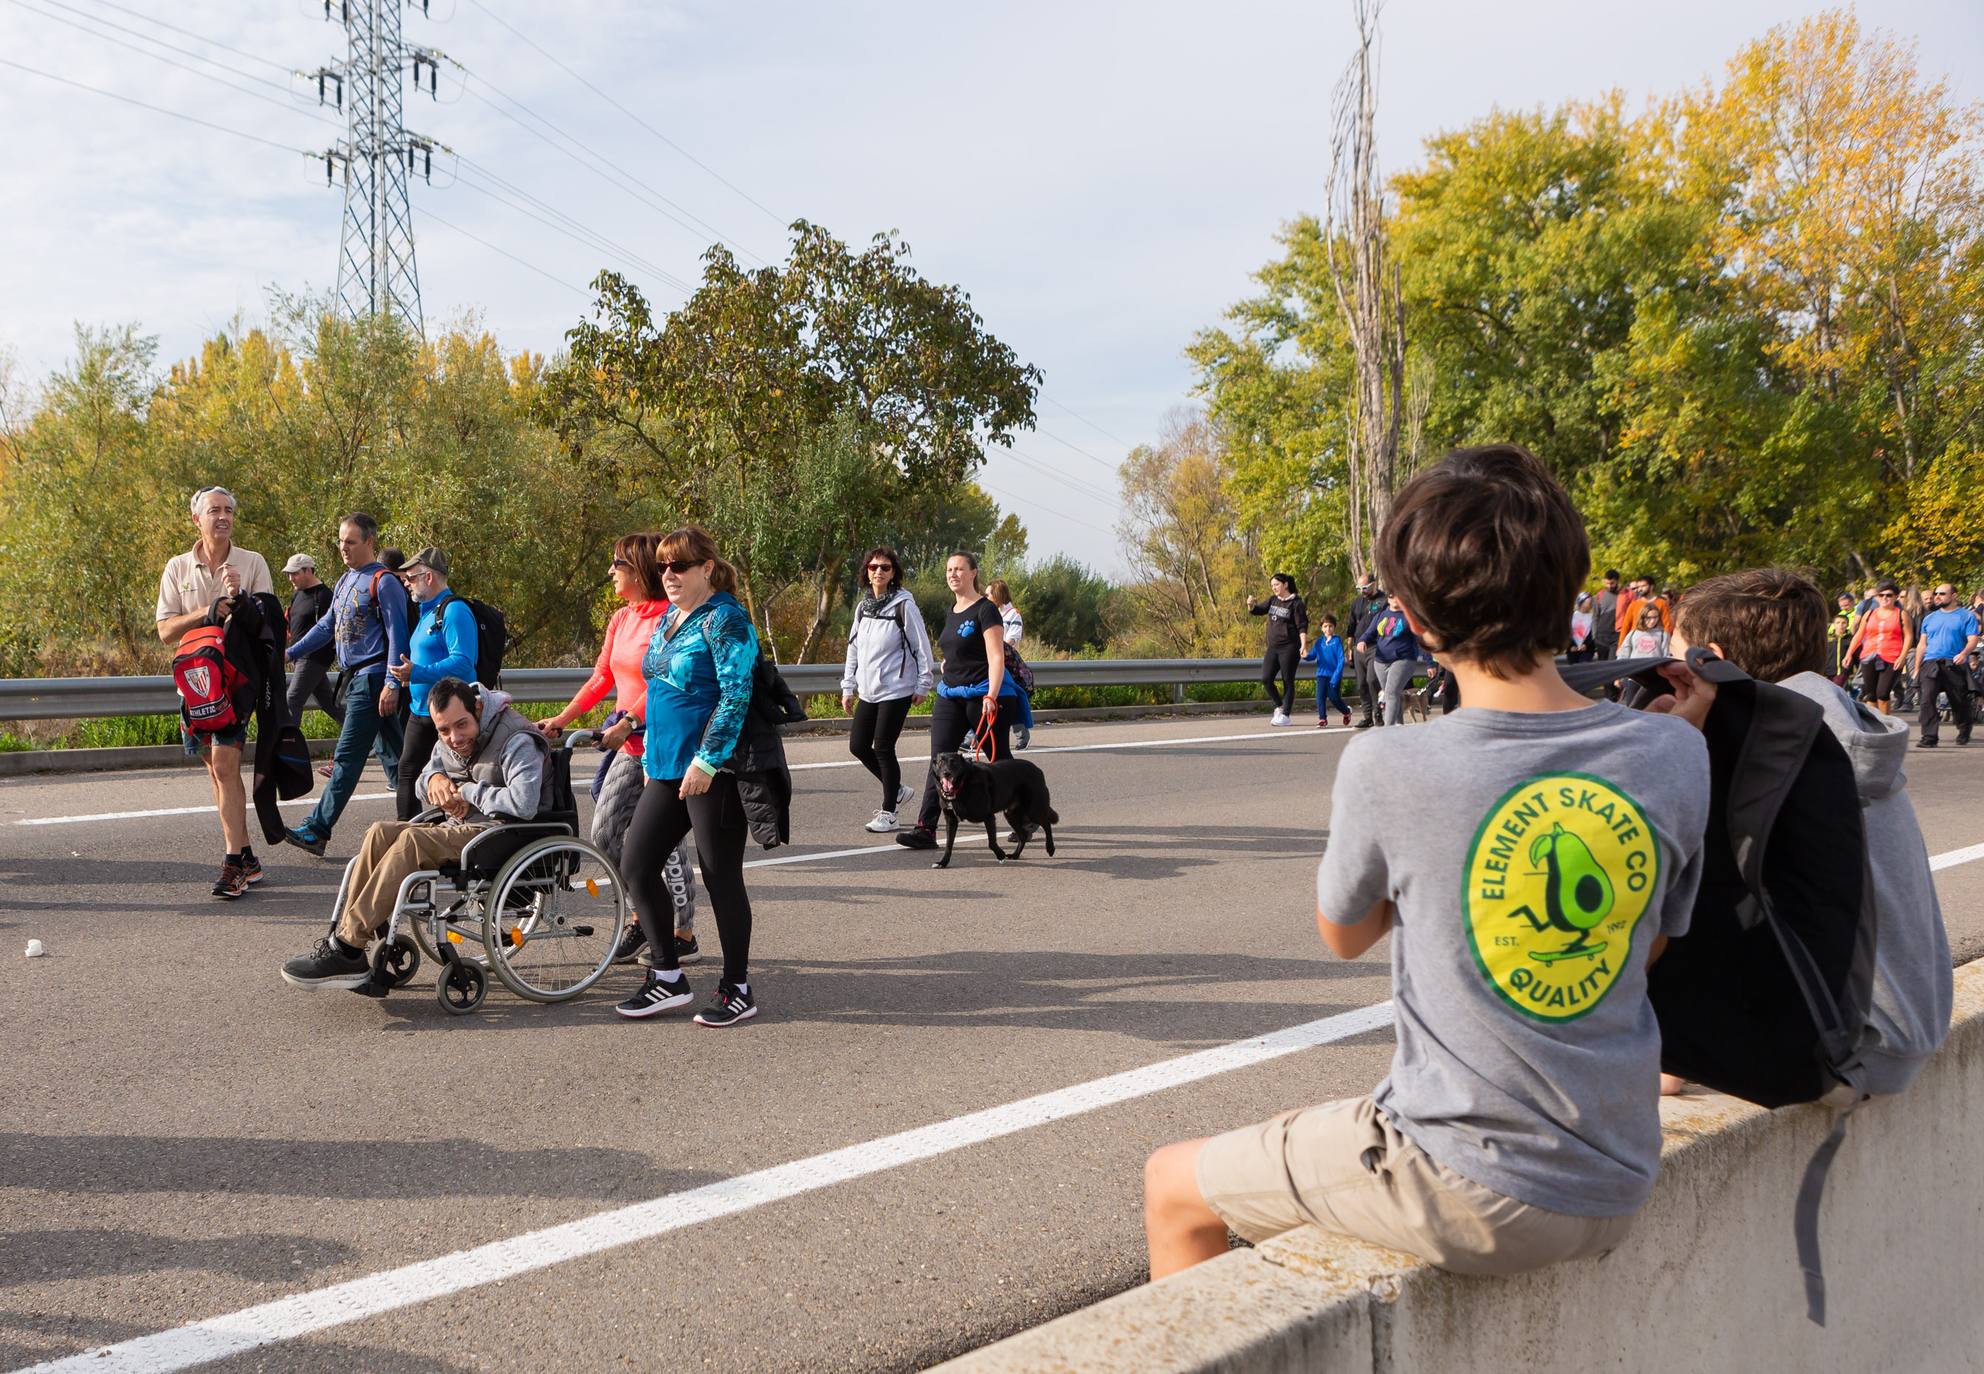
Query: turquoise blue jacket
(699,687)
(444,650)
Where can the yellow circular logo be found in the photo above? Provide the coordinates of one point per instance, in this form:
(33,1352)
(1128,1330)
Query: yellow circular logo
(1560,873)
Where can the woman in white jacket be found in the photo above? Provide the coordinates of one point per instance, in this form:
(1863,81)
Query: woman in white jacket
(889,666)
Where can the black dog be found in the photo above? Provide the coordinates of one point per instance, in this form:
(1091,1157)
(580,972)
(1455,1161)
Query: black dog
(971,791)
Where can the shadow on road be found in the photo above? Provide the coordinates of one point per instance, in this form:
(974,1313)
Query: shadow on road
(95,1252)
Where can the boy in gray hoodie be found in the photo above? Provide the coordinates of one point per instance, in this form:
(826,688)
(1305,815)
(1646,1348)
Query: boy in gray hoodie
(1772,625)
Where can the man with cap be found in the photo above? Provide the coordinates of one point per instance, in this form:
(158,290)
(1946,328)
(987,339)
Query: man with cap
(442,642)
(310,677)
(1365,607)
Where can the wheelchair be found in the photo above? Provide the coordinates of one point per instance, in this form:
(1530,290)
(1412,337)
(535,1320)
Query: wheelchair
(530,901)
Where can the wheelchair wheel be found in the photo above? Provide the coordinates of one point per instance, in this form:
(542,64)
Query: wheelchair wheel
(395,961)
(461,988)
(552,918)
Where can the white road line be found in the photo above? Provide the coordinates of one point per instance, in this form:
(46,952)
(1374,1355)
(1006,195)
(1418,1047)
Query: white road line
(797,768)
(357,1299)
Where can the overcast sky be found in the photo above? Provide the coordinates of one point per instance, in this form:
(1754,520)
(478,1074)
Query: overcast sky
(1102,178)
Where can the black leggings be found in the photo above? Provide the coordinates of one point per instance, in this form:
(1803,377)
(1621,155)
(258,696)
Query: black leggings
(877,725)
(417,748)
(661,820)
(952,721)
(1280,662)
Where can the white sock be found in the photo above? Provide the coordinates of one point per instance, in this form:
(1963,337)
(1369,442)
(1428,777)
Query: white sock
(744,988)
(670,975)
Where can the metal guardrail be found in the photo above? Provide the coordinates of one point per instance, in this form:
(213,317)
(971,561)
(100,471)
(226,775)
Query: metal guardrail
(62,698)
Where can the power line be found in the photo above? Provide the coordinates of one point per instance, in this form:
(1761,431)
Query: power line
(524,38)
(155,109)
(594,153)
(1085,420)
(210,42)
(171,62)
(521,262)
(1042,506)
(477,169)
(590,240)
(1074,484)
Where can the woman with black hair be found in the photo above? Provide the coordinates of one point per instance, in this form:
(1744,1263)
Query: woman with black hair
(970,696)
(1288,640)
(889,666)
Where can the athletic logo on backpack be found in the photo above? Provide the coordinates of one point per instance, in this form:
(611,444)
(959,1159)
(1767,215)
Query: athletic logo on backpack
(1559,874)
(207,681)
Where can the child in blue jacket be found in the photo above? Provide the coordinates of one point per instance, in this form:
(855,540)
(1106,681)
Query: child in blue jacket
(1327,654)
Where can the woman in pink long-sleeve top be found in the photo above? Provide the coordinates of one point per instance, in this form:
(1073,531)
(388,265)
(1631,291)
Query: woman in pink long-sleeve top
(637,580)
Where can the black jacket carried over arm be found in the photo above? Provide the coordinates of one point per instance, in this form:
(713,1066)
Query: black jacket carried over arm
(764,782)
(255,638)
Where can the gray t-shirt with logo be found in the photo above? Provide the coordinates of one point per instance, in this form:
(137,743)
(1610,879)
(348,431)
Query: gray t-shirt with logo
(1531,860)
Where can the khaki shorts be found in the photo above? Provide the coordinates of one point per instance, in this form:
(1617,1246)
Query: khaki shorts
(1344,1167)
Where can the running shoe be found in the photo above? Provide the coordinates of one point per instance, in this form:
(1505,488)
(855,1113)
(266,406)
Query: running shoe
(330,965)
(903,794)
(919,838)
(306,842)
(1346,720)
(1279,718)
(1022,737)
(251,866)
(727,1006)
(882,823)
(233,880)
(632,941)
(657,995)
(687,951)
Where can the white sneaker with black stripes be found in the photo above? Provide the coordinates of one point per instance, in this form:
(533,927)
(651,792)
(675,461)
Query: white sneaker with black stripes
(657,995)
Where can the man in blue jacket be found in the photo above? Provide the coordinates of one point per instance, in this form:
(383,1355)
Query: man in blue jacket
(368,624)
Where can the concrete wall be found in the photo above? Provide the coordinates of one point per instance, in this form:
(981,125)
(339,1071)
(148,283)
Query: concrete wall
(1708,1279)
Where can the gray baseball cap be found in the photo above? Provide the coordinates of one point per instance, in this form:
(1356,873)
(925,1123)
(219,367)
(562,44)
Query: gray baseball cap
(429,557)
(300,562)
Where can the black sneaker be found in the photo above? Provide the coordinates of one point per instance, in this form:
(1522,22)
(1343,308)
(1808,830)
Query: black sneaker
(306,842)
(1366,724)
(233,880)
(727,1006)
(632,941)
(919,838)
(657,995)
(686,952)
(328,966)
(251,866)
(1963,740)
(1925,744)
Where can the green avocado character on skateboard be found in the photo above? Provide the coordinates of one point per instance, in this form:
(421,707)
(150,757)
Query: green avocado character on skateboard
(1576,894)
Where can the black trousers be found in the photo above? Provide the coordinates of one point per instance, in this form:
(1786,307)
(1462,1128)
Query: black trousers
(312,679)
(952,721)
(1280,663)
(661,820)
(877,726)
(416,747)
(1941,675)
(1369,678)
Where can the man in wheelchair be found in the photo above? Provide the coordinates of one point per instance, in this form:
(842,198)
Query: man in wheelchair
(487,768)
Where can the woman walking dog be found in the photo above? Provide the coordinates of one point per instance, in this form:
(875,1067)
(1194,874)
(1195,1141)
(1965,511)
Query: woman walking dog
(968,703)
(637,581)
(699,668)
(889,667)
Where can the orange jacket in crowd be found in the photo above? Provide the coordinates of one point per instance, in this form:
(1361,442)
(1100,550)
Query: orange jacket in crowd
(1628,618)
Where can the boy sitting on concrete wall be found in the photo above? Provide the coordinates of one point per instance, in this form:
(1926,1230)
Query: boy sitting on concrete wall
(1520,1124)
(1772,625)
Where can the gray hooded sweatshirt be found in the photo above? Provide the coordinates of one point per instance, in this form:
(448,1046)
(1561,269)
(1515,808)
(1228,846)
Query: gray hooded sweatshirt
(1912,977)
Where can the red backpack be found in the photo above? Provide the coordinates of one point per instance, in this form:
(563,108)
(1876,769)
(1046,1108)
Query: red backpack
(207,681)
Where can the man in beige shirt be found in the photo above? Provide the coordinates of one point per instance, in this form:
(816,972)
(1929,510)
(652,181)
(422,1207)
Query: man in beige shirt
(201,587)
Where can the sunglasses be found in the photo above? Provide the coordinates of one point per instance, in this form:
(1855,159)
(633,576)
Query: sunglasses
(678,566)
(621,565)
(881,567)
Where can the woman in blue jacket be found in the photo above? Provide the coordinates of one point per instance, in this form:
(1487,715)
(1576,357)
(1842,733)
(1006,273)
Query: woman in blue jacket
(1327,654)
(442,643)
(699,668)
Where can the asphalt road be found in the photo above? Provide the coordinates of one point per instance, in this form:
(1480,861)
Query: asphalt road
(182,1136)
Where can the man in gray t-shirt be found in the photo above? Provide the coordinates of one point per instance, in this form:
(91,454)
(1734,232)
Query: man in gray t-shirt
(1528,892)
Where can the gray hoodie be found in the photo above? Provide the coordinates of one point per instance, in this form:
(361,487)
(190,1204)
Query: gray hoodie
(888,651)
(503,777)
(1912,977)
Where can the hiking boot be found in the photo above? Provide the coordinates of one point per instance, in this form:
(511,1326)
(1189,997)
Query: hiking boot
(1926,742)
(306,842)
(1366,723)
(632,941)
(657,995)
(233,881)
(882,822)
(687,951)
(727,1006)
(333,964)
(919,838)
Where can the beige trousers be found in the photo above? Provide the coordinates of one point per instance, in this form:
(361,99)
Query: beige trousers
(390,851)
